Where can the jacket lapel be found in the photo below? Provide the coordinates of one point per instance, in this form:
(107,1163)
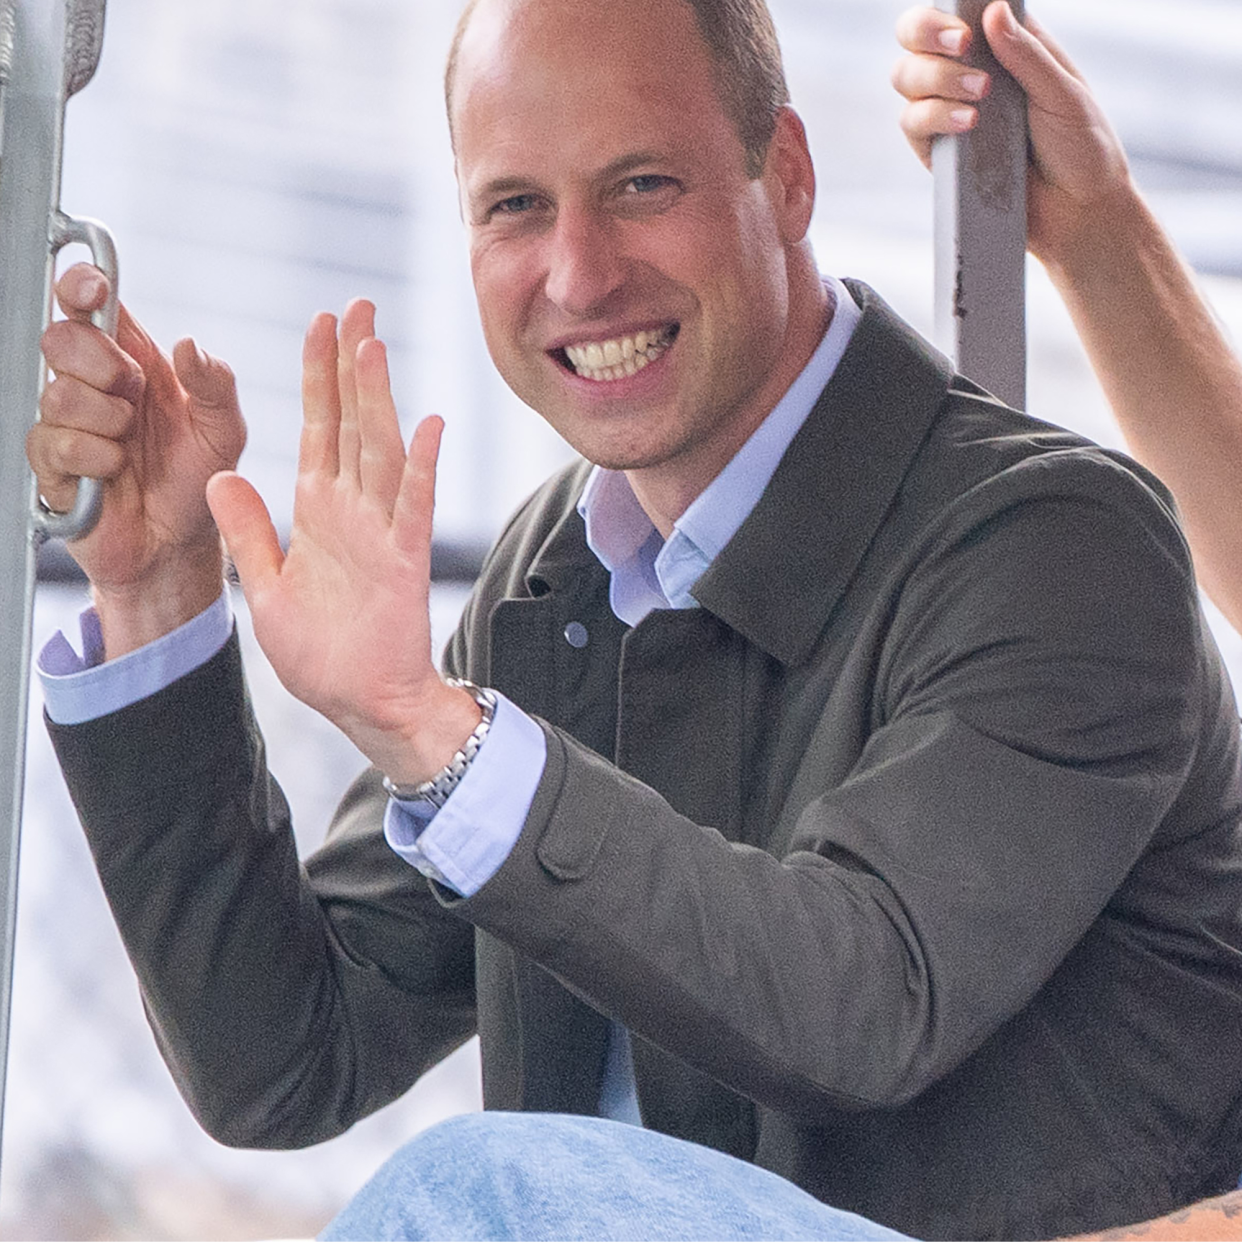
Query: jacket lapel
(781,576)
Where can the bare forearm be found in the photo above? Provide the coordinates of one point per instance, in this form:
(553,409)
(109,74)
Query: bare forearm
(1217,1218)
(1174,384)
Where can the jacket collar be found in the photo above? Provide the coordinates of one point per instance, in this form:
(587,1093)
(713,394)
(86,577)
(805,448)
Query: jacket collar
(780,577)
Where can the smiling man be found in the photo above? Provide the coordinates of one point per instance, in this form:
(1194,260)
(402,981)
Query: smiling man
(844,788)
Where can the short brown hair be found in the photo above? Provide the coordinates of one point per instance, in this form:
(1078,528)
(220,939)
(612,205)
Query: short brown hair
(746,60)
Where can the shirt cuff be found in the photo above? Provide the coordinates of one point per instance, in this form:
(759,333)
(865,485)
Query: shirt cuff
(78,688)
(464,843)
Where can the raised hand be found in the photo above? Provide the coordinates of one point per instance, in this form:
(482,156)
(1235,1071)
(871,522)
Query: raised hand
(154,430)
(1077,160)
(343,615)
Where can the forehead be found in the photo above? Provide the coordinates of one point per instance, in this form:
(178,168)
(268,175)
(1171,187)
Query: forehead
(582,81)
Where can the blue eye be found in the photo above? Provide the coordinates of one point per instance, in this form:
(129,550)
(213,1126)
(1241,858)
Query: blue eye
(515,205)
(645,183)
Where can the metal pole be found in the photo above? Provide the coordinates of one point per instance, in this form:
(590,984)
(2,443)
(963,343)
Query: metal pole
(48,49)
(980,229)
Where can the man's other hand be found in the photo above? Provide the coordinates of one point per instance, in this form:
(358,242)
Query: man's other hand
(153,430)
(1077,159)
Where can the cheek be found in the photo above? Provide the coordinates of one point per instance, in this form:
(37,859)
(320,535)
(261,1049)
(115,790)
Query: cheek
(502,289)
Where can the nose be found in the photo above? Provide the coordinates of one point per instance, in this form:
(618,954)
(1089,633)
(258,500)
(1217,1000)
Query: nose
(585,264)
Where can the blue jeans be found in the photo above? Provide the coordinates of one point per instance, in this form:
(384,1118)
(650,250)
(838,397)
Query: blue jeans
(543,1176)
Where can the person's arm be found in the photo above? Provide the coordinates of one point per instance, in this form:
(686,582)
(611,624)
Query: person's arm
(1174,383)
(289,999)
(273,988)
(626,900)
(1211,1220)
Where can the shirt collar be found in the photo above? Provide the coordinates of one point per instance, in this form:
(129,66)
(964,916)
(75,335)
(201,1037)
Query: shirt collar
(647,573)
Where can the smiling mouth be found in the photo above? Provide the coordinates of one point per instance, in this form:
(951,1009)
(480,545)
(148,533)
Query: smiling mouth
(618,358)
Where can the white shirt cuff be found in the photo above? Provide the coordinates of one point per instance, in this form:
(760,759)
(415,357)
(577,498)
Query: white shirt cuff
(80,687)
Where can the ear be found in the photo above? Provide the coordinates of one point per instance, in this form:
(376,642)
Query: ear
(789,176)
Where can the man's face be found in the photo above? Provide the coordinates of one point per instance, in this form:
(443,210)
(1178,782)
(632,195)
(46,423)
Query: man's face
(633,281)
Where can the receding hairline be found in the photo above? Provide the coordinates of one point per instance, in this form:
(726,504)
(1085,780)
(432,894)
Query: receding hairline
(753,118)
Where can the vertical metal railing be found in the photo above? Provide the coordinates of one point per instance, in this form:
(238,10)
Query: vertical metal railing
(980,229)
(48,50)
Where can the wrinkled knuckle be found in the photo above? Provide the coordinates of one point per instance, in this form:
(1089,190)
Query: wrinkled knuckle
(130,383)
(57,338)
(112,461)
(37,450)
(62,455)
(125,415)
(53,402)
(905,26)
(913,122)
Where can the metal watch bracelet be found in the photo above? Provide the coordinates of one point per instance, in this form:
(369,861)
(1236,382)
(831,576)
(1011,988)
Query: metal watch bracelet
(435,792)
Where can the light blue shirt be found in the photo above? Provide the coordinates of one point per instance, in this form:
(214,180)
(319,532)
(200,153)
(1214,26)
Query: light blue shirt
(465,843)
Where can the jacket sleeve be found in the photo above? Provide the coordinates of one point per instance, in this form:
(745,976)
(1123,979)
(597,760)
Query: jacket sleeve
(288,1000)
(1037,695)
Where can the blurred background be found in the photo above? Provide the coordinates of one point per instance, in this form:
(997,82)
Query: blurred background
(259,161)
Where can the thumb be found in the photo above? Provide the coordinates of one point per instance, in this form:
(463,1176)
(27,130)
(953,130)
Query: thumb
(1039,66)
(246,527)
(207,379)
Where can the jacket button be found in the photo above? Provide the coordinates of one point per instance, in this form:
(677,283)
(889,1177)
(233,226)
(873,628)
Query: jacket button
(576,634)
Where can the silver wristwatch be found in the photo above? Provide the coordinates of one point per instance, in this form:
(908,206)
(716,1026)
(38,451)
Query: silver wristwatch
(435,792)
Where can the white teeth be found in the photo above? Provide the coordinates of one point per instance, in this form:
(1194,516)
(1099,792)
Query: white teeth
(614,359)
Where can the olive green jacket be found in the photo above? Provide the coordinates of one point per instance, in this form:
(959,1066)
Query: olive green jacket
(911,858)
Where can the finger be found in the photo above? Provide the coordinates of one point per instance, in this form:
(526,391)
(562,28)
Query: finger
(81,290)
(209,381)
(935,77)
(411,526)
(357,323)
(69,402)
(927,119)
(78,349)
(382,455)
(134,339)
(1048,79)
(60,456)
(924,29)
(248,533)
(1037,31)
(321,402)
(212,408)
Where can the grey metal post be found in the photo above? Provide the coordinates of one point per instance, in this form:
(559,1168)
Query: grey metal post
(980,229)
(48,50)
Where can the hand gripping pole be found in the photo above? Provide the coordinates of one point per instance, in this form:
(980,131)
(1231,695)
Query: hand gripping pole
(980,229)
(48,50)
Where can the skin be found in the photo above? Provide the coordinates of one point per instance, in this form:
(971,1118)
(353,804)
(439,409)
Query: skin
(154,429)
(604,191)
(1212,1219)
(1174,383)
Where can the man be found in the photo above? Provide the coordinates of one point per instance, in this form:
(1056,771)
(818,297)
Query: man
(862,797)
